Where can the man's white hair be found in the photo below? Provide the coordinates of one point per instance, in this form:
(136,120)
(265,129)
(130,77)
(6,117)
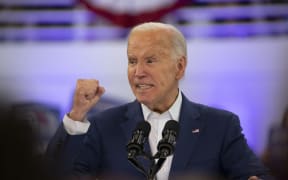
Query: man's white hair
(178,41)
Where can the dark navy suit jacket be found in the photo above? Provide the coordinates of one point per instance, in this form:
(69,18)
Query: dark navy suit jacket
(210,142)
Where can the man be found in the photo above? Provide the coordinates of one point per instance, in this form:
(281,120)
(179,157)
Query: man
(210,141)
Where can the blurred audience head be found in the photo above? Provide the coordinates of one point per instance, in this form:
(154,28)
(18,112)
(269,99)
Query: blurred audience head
(285,118)
(19,155)
(275,156)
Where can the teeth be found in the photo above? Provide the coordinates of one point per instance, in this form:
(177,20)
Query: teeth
(143,86)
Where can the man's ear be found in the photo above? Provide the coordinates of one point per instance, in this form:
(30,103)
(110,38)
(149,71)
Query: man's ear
(181,66)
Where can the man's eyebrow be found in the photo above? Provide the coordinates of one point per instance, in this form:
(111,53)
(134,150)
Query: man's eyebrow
(131,56)
(150,57)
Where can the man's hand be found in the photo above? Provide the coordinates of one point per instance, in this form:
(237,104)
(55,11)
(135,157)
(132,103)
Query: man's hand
(87,94)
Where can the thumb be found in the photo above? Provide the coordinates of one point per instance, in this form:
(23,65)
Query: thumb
(100,92)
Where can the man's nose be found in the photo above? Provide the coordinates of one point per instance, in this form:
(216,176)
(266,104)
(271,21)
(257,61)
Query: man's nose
(140,70)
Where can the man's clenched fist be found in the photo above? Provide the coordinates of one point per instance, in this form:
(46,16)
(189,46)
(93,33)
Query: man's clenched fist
(87,94)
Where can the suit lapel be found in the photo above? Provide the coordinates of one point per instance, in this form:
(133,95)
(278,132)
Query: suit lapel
(190,130)
(186,140)
(133,116)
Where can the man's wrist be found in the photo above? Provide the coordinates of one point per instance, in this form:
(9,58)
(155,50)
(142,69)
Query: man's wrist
(76,116)
(73,127)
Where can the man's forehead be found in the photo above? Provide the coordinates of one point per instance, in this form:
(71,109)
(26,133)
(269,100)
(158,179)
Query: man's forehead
(147,53)
(150,34)
(153,41)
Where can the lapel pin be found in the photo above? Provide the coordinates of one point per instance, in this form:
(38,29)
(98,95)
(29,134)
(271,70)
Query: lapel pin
(195,130)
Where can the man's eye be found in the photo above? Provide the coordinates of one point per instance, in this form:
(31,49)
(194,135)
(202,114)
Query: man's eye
(149,61)
(132,61)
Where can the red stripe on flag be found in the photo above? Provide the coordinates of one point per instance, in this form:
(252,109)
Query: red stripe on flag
(128,20)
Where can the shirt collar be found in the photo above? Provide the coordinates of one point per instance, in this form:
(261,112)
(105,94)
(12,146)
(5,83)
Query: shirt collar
(174,110)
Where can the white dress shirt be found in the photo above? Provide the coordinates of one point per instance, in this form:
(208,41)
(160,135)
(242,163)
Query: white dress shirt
(157,122)
(75,127)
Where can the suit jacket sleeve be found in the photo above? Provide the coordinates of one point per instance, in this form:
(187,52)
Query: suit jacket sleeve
(238,160)
(88,163)
(62,151)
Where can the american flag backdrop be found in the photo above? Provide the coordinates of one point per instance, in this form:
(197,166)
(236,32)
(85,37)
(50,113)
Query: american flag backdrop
(68,20)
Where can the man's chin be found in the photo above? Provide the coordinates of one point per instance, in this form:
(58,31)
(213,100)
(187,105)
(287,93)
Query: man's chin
(143,101)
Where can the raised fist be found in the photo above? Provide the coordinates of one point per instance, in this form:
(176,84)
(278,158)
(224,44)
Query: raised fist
(87,94)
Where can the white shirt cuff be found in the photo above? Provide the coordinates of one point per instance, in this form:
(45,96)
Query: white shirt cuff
(75,127)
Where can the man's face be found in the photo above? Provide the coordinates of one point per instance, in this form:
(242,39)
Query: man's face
(152,72)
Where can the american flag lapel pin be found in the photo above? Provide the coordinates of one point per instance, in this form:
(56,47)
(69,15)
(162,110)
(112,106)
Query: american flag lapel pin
(195,130)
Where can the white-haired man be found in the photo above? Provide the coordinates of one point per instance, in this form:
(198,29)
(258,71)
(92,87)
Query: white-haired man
(210,141)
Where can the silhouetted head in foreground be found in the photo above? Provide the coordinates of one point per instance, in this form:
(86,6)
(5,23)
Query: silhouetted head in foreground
(18,154)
